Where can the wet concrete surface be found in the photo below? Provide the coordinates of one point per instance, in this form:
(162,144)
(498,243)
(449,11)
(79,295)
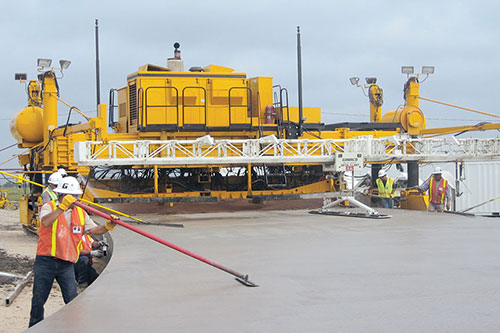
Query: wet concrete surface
(415,272)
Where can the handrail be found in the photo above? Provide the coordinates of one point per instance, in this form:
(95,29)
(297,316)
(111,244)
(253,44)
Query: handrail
(192,106)
(248,106)
(176,105)
(140,106)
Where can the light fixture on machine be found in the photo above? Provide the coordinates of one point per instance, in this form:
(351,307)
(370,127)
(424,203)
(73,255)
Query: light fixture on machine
(44,63)
(369,81)
(410,71)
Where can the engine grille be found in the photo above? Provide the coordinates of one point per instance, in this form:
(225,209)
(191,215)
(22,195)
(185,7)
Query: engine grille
(132,93)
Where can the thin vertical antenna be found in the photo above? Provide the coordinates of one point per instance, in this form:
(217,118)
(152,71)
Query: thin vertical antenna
(299,70)
(97,74)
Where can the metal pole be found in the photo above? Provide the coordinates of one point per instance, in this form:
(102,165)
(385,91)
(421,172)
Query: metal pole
(375,168)
(299,70)
(241,277)
(412,174)
(156,179)
(97,75)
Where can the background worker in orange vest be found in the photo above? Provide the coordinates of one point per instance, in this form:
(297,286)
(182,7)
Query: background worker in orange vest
(85,274)
(385,186)
(439,191)
(61,231)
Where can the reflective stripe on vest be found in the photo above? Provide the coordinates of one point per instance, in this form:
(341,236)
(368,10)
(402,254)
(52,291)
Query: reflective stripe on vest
(86,243)
(437,193)
(82,222)
(385,191)
(61,240)
(52,194)
(54,238)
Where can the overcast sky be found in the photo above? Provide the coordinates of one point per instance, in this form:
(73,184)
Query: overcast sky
(340,39)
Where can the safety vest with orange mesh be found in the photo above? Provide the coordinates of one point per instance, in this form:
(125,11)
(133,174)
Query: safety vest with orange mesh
(437,192)
(86,243)
(61,240)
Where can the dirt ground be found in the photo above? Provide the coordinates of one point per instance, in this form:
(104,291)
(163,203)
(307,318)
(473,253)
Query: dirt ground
(17,255)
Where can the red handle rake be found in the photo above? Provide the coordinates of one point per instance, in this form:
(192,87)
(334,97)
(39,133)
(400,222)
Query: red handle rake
(243,279)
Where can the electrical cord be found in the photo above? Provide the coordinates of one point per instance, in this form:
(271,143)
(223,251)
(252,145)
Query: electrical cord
(5,148)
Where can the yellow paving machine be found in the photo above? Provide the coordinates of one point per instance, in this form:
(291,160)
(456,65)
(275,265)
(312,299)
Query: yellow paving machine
(210,134)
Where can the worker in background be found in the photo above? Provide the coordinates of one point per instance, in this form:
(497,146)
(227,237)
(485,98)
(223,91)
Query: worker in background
(85,274)
(62,172)
(385,186)
(439,191)
(48,193)
(61,230)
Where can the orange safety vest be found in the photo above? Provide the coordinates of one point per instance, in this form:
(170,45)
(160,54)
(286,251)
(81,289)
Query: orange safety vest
(437,192)
(60,240)
(86,244)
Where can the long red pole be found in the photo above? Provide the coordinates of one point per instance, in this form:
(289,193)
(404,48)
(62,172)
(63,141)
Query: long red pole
(240,277)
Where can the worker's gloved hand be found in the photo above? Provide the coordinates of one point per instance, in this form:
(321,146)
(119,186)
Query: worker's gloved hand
(110,225)
(103,243)
(97,253)
(67,201)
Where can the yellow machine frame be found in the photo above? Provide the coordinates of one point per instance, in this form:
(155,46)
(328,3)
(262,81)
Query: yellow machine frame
(159,103)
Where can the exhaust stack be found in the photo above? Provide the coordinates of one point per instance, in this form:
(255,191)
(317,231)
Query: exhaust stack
(176,64)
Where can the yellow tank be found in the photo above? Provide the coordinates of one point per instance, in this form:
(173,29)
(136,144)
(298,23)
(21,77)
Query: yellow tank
(410,117)
(27,124)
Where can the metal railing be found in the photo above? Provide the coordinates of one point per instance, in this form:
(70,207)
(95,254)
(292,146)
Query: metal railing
(269,149)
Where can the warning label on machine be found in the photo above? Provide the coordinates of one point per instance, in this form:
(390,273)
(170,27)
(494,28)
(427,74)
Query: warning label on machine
(346,162)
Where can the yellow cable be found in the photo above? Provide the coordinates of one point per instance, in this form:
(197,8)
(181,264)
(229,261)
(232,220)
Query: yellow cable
(16,156)
(89,202)
(112,210)
(459,107)
(74,108)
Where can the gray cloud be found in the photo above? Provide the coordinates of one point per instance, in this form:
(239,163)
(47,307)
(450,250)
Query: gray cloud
(340,39)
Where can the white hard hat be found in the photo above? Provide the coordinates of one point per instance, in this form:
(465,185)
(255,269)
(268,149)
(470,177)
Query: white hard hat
(382,173)
(62,172)
(68,185)
(437,171)
(55,178)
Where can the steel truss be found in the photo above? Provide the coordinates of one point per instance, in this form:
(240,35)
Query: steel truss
(269,149)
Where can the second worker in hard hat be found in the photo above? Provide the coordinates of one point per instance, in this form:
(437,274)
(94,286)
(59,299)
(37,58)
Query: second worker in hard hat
(61,230)
(48,193)
(385,186)
(439,191)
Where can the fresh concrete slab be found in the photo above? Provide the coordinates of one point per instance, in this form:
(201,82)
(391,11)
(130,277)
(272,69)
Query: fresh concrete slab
(415,272)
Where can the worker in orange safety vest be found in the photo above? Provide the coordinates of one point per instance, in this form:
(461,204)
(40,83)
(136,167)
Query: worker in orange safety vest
(85,274)
(439,191)
(61,230)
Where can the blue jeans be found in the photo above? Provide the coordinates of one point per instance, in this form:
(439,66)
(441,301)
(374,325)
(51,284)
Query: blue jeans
(386,202)
(436,207)
(84,272)
(45,271)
